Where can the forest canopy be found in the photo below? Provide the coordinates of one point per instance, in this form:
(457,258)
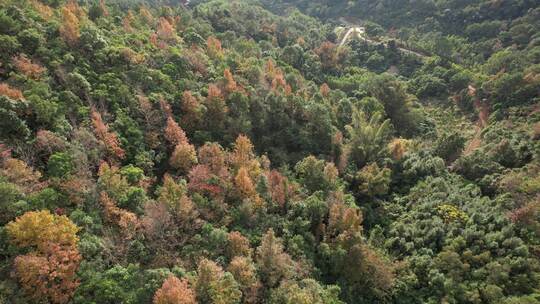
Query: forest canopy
(269,151)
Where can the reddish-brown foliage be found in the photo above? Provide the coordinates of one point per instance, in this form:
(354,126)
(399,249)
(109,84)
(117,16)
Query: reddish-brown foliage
(146,15)
(5,152)
(327,51)
(325,90)
(49,142)
(24,65)
(331,173)
(127,21)
(189,102)
(152,118)
(274,264)
(146,106)
(156,219)
(344,223)
(230,83)
(343,160)
(199,181)
(153,138)
(165,30)
(279,82)
(131,56)
(244,272)
(190,109)
(197,61)
(74,7)
(76,188)
(244,184)
(50,276)
(243,156)
(174,134)
(278,187)
(536,131)
(43,10)
(125,220)
(214,92)
(103,8)
(213,286)
(19,173)
(527,214)
(208,273)
(69,30)
(169,223)
(215,104)
(363,261)
(183,156)
(337,147)
(154,40)
(270,69)
(174,291)
(165,107)
(212,155)
(243,151)
(8,91)
(109,139)
(178,22)
(398,147)
(238,245)
(213,46)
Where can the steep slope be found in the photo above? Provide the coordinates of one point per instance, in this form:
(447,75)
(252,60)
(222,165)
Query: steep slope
(215,152)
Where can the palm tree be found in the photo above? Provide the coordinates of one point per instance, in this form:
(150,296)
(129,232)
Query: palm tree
(367,138)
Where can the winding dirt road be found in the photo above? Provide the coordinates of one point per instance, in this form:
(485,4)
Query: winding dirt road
(359,33)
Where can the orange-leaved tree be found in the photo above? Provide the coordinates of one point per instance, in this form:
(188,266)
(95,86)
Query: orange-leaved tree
(24,65)
(8,91)
(244,156)
(214,47)
(174,291)
(244,184)
(49,276)
(230,83)
(244,272)
(69,30)
(108,139)
(191,111)
(173,133)
(48,272)
(184,155)
(238,245)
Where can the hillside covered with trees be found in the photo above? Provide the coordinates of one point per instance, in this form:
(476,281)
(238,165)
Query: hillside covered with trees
(233,151)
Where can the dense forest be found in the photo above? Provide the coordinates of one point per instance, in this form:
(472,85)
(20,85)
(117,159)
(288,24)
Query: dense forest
(255,151)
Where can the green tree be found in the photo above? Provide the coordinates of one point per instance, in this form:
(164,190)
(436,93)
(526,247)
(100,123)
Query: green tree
(367,138)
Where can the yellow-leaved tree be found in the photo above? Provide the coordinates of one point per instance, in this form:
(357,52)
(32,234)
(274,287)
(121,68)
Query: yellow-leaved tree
(39,228)
(48,272)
